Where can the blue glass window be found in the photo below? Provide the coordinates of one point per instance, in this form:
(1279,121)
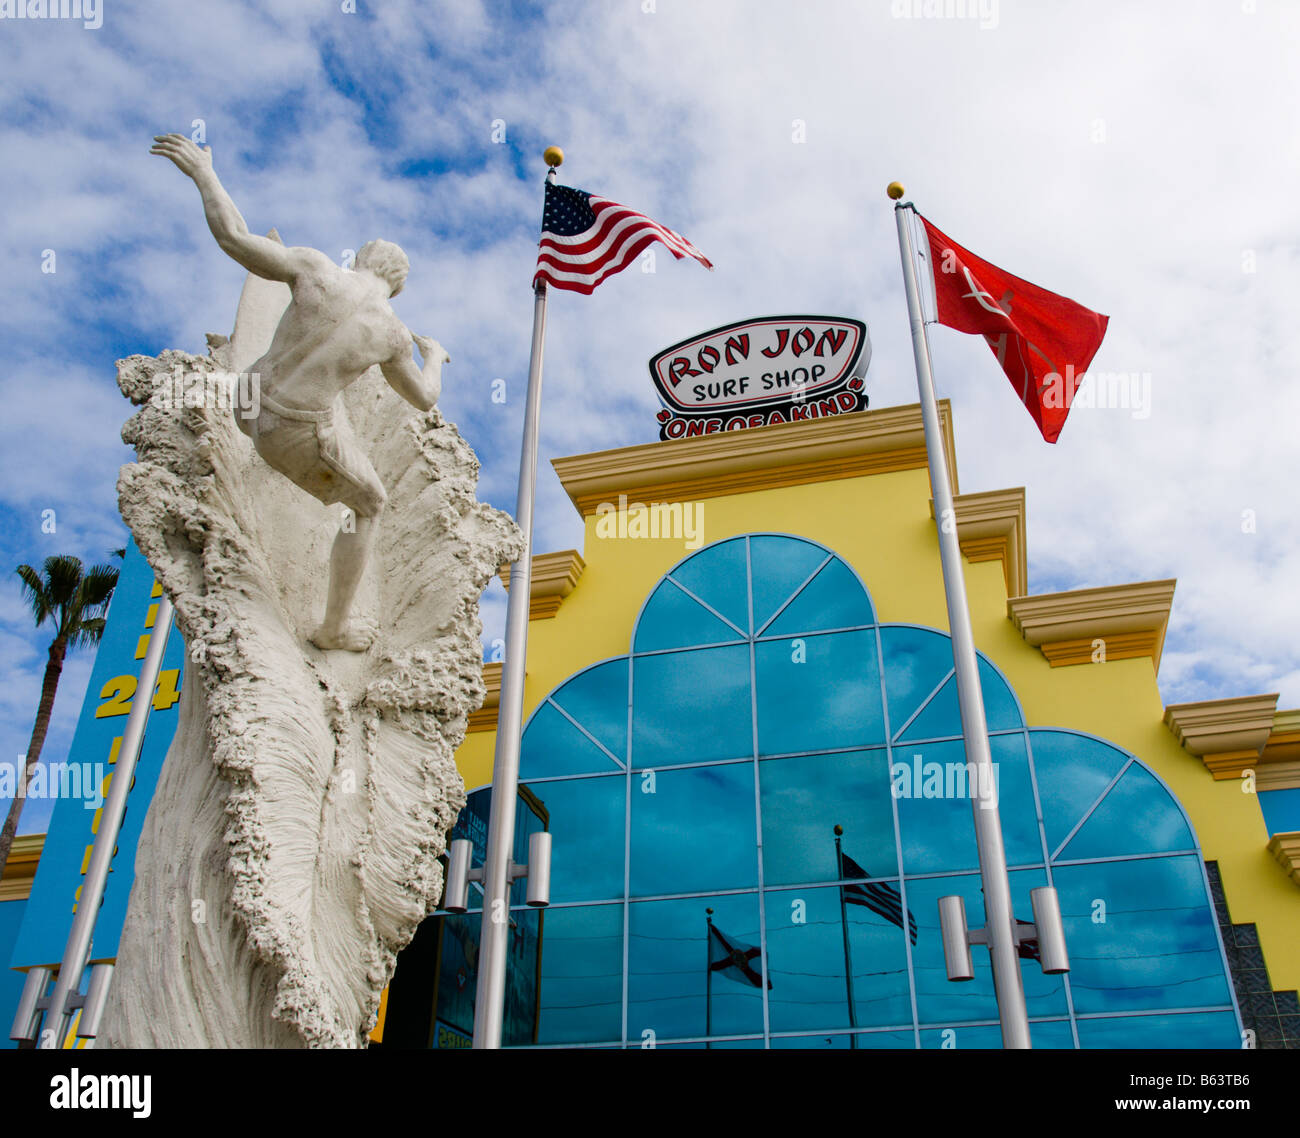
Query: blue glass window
(752,852)
(596,700)
(690,707)
(817,693)
(692,830)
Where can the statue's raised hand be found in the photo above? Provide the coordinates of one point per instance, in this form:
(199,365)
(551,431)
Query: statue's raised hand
(430,349)
(189,158)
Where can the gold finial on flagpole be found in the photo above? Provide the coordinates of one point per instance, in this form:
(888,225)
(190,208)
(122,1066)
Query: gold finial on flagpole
(553,156)
(895,190)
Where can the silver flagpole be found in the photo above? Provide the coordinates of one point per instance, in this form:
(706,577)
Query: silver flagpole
(77,951)
(489,1003)
(1007,981)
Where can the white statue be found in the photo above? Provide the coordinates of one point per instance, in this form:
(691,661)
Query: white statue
(292,845)
(338,324)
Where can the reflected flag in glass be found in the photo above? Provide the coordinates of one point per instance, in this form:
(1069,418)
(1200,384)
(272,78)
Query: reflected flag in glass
(878,896)
(734,959)
(1026,948)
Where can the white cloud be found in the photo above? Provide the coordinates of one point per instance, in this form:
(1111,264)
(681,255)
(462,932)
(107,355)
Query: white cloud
(1122,155)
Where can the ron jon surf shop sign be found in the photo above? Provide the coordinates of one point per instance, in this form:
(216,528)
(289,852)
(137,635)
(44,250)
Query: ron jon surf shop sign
(775,369)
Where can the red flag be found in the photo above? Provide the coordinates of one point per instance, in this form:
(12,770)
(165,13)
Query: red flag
(1044,342)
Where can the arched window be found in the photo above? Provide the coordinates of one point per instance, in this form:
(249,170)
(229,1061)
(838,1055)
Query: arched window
(756,811)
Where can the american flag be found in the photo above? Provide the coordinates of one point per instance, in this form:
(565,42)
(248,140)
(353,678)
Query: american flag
(878,896)
(586,238)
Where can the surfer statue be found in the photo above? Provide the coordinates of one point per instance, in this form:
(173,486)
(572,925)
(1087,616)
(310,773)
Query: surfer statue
(338,325)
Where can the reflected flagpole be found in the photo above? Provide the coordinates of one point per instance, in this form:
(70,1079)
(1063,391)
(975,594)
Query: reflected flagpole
(498,865)
(1000,921)
(848,952)
(708,980)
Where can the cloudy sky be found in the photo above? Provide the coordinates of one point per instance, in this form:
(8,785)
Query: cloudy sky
(1141,158)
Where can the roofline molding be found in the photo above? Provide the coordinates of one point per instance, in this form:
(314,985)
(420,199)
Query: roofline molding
(1129,621)
(757,458)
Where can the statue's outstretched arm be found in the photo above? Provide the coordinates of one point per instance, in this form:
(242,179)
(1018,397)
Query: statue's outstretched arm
(258,255)
(420,388)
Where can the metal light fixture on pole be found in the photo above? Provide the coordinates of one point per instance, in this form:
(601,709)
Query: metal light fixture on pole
(1000,919)
(489,1004)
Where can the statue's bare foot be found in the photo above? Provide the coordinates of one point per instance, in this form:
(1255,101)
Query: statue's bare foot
(349,638)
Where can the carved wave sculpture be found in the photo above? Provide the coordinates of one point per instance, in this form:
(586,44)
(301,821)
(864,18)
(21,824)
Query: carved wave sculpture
(291,848)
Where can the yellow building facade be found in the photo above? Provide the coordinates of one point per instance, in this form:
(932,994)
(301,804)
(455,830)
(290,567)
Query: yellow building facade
(1085,661)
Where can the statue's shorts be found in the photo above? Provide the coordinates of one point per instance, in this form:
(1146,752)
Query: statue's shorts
(317,451)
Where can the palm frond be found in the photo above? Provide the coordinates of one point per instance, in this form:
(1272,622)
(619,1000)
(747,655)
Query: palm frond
(62,578)
(34,594)
(97,586)
(88,633)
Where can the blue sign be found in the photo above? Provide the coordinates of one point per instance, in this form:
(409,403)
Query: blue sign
(89,769)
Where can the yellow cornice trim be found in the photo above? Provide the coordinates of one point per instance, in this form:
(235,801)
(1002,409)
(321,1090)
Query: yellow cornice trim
(991,527)
(1286,848)
(1228,735)
(1287,721)
(485,718)
(1130,619)
(20,869)
(1119,646)
(758,458)
(1284,775)
(554,578)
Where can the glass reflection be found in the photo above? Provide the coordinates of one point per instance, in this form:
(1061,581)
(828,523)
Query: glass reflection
(1136,816)
(933,785)
(861,1041)
(571,982)
(1209,1030)
(816,693)
(586,816)
(1141,934)
(780,566)
(717,575)
(674,620)
(815,938)
(1073,771)
(597,699)
(941,716)
(965,1038)
(941,1002)
(673,986)
(691,706)
(916,661)
(693,829)
(552,745)
(804,799)
(832,599)
(1051,1035)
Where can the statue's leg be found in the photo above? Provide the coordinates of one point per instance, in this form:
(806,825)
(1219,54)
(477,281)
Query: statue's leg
(348,561)
(363,493)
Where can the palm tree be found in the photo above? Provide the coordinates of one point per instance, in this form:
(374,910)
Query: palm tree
(76,601)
